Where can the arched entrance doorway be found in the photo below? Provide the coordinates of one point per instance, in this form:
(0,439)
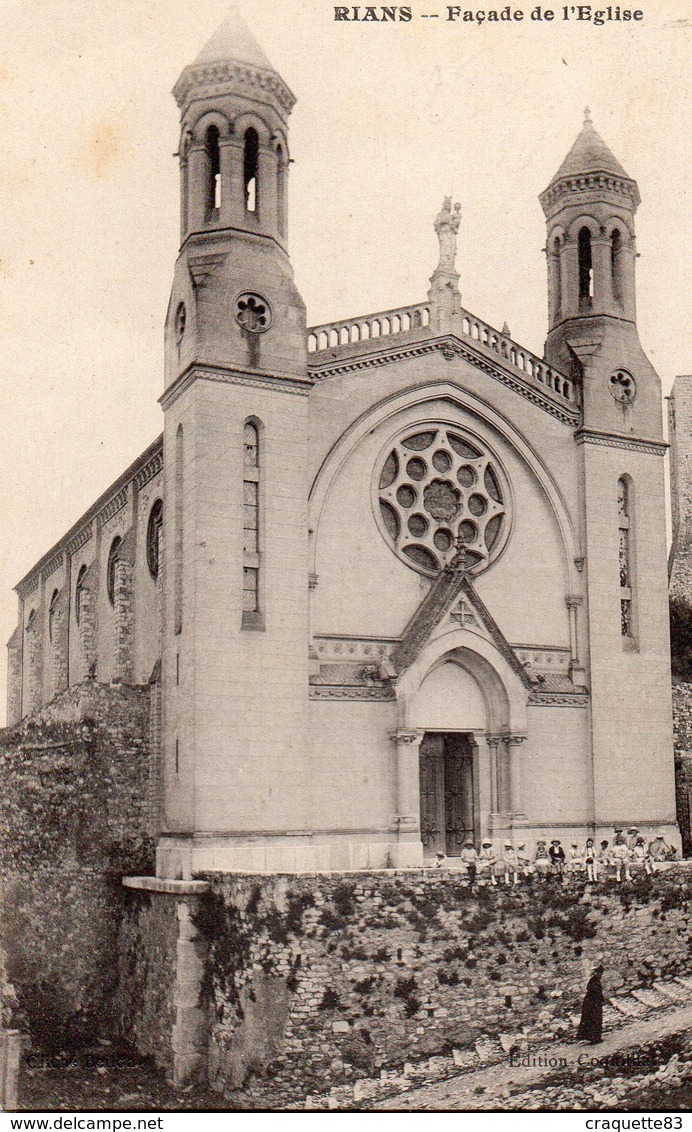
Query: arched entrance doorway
(451,710)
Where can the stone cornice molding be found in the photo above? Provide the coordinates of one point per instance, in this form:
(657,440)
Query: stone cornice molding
(82,530)
(29,585)
(112,507)
(232,77)
(53,564)
(150,469)
(349,692)
(232,375)
(450,346)
(614,440)
(572,185)
(80,539)
(559,699)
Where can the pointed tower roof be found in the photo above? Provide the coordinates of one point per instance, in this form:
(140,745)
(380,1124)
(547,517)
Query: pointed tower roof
(589,168)
(232,62)
(589,154)
(233,41)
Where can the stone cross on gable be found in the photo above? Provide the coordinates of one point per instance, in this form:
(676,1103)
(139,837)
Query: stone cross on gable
(463,614)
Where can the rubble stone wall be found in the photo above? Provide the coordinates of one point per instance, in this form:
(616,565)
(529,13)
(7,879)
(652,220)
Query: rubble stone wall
(315,980)
(74,817)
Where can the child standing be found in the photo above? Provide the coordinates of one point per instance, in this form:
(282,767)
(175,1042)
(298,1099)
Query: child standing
(591,860)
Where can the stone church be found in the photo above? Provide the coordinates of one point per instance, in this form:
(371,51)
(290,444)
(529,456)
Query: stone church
(394,581)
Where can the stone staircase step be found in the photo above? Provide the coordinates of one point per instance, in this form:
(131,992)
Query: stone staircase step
(611,1016)
(672,991)
(628,1006)
(650,998)
(464,1058)
(489,1050)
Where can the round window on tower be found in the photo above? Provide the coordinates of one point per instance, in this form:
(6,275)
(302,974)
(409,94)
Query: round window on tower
(437,490)
(623,386)
(253,313)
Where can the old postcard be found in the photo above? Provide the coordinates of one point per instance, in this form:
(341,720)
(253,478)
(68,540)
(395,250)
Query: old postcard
(347,548)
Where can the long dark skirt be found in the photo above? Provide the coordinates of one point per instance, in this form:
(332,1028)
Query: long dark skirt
(591,1022)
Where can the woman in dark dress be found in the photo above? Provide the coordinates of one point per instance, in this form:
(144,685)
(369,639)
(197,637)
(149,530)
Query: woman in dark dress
(591,1022)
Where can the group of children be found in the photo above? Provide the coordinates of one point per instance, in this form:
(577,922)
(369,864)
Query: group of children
(629,852)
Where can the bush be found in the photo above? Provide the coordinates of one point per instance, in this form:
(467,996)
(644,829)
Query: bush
(330,999)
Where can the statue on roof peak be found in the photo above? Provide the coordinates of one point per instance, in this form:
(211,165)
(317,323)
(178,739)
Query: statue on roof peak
(446,225)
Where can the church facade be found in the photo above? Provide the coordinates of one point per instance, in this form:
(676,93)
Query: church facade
(396,582)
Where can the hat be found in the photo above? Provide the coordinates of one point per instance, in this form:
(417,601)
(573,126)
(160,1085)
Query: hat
(574,844)
(439,853)
(540,841)
(633,829)
(487,844)
(508,844)
(617,829)
(466,843)
(521,845)
(555,841)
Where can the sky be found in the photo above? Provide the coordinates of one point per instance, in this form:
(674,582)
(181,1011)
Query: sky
(390,118)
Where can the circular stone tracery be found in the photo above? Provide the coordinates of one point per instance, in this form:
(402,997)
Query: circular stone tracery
(436,487)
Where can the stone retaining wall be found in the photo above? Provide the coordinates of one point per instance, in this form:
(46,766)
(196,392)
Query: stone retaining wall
(313,980)
(74,816)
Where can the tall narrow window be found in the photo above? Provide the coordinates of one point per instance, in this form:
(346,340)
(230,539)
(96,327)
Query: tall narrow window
(625,557)
(79,593)
(113,555)
(555,281)
(250,170)
(281,191)
(213,170)
(616,265)
(154,533)
(585,269)
(178,587)
(252,618)
(53,615)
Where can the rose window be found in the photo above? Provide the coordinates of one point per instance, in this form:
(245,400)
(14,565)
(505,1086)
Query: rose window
(438,489)
(623,386)
(253,312)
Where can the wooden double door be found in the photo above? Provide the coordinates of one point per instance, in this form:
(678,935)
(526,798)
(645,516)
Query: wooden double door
(447,792)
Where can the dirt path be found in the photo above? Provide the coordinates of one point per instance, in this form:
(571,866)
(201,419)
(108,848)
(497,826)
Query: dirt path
(462,1091)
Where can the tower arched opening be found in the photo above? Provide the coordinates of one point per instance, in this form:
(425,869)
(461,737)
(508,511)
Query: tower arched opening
(251,169)
(585,268)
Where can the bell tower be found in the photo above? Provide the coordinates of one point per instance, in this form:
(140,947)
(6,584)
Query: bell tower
(589,207)
(234,663)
